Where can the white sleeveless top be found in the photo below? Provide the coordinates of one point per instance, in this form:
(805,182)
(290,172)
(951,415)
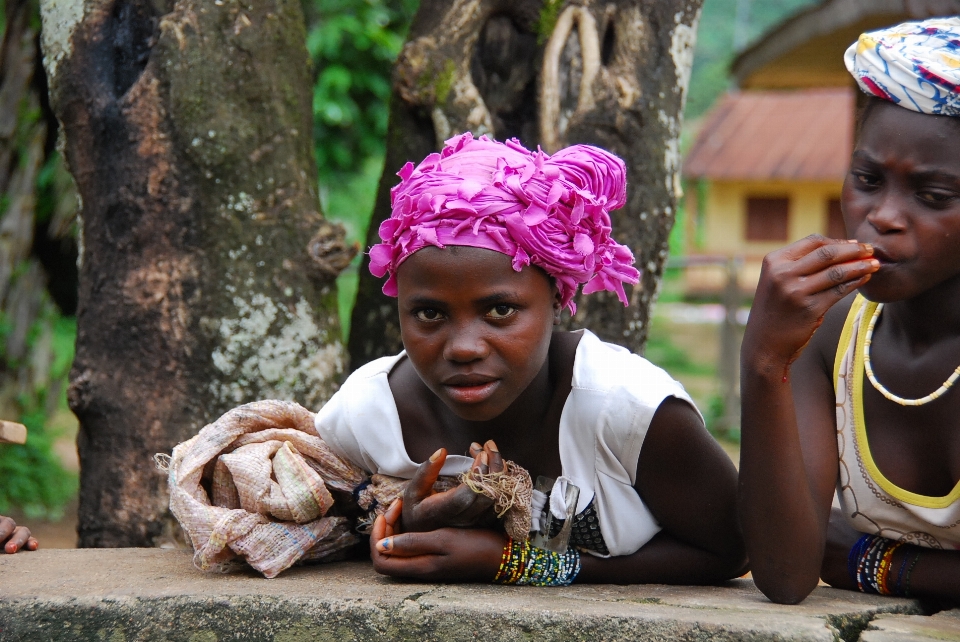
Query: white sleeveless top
(602,427)
(872,503)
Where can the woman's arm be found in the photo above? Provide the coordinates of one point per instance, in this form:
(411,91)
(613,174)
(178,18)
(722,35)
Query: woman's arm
(788,456)
(684,477)
(915,570)
(690,486)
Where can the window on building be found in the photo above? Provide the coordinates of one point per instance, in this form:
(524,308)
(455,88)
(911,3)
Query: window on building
(767,219)
(836,229)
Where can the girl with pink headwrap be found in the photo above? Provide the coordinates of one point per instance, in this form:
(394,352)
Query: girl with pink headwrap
(487,243)
(850,356)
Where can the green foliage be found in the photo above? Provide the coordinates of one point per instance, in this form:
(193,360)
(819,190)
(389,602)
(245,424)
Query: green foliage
(672,358)
(353,44)
(549,13)
(33,478)
(715,47)
(715,412)
(351,203)
(444,82)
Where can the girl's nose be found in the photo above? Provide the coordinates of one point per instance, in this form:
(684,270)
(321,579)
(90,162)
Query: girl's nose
(465,344)
(888,217)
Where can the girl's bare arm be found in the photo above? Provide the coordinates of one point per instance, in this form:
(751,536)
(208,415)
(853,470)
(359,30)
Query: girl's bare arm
(915,570)
(788,457)
(690,486)
(684,477)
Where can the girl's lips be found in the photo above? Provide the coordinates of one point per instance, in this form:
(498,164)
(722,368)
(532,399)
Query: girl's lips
(882,256)
(473,393)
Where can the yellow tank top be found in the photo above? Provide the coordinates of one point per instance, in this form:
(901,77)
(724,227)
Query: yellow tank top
(872,503)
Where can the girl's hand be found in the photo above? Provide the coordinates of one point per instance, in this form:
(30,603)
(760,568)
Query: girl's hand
(14,538)
(427,510)
(798,284)
(448,554)
(840,539)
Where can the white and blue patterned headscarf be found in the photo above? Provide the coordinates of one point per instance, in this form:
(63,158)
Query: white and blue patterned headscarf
(915,65)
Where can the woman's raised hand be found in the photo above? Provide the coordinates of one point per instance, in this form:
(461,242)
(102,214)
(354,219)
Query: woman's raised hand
(798,284)
(424,509)
(15,538)
(447,554)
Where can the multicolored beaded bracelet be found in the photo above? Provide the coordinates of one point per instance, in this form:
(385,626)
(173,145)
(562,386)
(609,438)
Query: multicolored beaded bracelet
(870,563)
(523,564)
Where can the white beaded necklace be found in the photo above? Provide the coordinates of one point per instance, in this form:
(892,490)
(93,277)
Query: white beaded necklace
(936,394)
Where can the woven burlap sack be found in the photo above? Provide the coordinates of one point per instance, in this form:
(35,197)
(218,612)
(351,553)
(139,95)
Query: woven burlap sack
(254,486)
(268,473)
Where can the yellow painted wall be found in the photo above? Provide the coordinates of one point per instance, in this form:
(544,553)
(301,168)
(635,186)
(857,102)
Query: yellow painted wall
(725,225)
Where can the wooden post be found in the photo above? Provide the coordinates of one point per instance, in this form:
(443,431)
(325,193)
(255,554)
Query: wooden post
(729,369)
(12,433)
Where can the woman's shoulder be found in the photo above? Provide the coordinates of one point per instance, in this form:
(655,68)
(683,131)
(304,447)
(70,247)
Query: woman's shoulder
(618,391)
(372,370)
(606,366)
(367,383)
(360,422)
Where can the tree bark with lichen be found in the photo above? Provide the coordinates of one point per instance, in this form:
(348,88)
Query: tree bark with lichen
(551,73)
(207,271)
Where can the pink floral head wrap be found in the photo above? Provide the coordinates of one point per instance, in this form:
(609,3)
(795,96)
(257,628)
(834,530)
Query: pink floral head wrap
(549,211)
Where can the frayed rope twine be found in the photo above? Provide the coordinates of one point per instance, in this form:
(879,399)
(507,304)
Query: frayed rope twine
(512,495)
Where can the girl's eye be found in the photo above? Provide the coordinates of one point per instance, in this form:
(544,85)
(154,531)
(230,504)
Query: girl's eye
(427,314)
(501,311)
(936,198)
(866,180)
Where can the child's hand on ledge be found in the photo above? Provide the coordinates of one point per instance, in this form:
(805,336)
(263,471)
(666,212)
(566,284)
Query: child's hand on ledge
(427,510)
(447,554)
(15,538)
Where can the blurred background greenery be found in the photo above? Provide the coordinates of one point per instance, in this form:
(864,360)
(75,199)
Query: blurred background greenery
(353,44)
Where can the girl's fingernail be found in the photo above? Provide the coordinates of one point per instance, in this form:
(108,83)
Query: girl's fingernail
(385,544)
(492,446)
(873,263)
(484,459)
(435,456)
(868,247)
(475,446)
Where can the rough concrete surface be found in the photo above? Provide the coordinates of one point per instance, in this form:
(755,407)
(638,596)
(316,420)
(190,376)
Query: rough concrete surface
(148,594)
(914,628)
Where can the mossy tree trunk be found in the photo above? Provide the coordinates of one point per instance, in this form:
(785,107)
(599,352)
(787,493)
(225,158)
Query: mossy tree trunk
(207,271)
(553,73)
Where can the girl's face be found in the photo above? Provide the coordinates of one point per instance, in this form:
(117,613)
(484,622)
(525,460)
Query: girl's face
(902,195)
(476,331)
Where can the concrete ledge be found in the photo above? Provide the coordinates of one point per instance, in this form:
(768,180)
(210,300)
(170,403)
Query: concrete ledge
(147,594)
(914,628)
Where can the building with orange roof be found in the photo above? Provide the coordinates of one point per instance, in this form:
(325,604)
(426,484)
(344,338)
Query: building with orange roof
(768,163)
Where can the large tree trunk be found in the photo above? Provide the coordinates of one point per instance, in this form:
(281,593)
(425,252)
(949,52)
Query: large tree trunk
(206,275)
(553,73)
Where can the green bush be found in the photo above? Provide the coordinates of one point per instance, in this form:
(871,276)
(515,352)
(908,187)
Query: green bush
(33,479)
(353,44)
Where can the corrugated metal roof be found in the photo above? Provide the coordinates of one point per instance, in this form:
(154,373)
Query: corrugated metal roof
(769,135)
